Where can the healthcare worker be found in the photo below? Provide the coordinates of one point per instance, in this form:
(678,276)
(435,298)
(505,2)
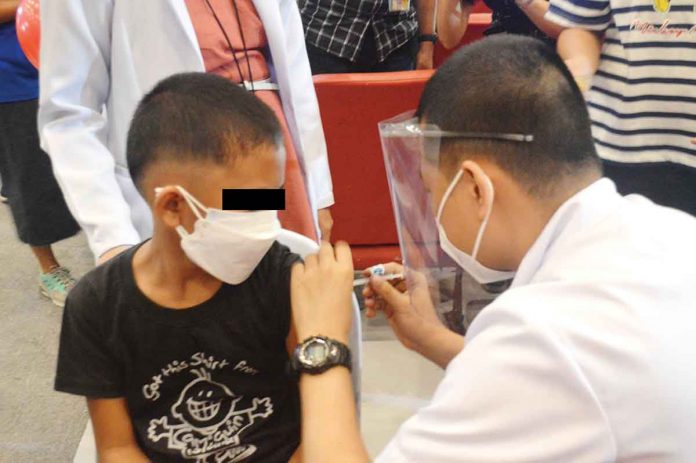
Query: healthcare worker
(99,58)
(589,356)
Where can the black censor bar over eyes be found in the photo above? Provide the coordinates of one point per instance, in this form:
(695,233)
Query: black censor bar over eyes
(253,199)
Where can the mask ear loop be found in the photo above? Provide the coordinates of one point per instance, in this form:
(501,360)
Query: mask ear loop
(479,237)
(196,206)
(448,193)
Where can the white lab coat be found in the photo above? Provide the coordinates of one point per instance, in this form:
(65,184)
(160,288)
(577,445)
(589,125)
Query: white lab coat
(589,357)
(99,57)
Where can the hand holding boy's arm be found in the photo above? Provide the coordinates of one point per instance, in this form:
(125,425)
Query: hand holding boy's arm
(322,305)
(113,432)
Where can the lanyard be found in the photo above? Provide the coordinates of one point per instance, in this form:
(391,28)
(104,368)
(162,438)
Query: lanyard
(229,43)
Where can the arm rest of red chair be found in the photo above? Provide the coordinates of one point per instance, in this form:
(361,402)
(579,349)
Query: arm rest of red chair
(480,19)
(371,79)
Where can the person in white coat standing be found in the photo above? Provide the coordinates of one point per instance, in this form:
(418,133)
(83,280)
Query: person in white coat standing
(99,57)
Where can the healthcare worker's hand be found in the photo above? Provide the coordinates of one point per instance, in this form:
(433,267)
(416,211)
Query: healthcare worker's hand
(411,314)
(321,293)
(325,223)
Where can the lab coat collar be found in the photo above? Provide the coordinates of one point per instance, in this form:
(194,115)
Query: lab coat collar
(584,208)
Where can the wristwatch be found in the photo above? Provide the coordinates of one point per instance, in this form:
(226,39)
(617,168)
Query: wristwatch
(427,38)
(318,354)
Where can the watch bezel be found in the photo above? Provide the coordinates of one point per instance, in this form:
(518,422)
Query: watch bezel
(310,343)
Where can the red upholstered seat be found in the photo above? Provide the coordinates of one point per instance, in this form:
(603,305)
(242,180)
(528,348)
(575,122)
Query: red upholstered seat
(351,106)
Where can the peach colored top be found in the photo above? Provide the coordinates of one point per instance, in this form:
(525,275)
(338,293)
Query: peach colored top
(217,56)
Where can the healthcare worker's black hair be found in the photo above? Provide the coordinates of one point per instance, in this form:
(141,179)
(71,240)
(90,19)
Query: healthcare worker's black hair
(513,84)
(197,116)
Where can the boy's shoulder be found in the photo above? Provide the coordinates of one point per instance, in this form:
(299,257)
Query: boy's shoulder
(278,261)
(100,284)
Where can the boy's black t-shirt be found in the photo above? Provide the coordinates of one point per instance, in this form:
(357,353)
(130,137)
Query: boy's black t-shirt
(204,384)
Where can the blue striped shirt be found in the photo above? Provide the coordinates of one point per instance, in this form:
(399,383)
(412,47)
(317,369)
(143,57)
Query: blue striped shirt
(643,97)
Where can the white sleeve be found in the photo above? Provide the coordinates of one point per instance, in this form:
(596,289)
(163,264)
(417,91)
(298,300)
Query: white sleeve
(75,82)
(306,109)
(513,394)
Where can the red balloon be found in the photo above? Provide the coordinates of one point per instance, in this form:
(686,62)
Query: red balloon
(29,29)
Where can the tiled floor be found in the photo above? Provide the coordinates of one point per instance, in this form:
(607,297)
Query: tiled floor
(395,384)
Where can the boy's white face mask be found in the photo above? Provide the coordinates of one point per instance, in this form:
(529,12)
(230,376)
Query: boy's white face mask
(228,244)
(473,267)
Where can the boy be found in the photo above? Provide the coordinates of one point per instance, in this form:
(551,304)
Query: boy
(178,363)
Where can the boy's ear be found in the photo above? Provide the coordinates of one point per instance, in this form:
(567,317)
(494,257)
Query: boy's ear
(168,205)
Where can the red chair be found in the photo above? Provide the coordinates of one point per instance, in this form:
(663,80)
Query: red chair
(351,106)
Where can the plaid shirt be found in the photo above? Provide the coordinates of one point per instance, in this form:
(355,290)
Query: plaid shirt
(339,26)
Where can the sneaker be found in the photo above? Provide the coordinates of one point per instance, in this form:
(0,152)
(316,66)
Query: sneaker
(56,284)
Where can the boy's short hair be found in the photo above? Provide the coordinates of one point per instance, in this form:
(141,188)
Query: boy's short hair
(198,116)
(513,84)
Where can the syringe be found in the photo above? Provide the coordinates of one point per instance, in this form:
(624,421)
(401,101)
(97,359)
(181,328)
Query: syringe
(390,276)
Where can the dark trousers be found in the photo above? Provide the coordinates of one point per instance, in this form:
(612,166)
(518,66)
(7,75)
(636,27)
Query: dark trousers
(36,202)
(401,59)
(665,183)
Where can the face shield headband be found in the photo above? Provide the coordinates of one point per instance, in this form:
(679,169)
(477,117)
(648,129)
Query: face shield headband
(412,157)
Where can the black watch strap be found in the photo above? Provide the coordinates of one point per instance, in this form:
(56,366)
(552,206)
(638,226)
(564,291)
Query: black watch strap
(428,38)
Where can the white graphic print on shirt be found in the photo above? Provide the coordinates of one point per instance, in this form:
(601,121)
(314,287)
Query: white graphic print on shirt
(207,419)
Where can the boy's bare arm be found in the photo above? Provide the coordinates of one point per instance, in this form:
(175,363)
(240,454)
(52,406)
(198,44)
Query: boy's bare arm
(113,432)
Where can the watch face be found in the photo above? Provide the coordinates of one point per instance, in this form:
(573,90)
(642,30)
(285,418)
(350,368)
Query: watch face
(315,353)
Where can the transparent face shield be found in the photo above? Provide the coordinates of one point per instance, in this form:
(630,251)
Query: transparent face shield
(412,159)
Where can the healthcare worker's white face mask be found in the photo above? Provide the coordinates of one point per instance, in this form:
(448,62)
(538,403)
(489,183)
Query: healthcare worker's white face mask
(228,244)
(478,271)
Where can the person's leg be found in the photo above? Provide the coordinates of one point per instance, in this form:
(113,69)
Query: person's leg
(323,62)
(401,59)
(47,260)
(38,208)
(665,183)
